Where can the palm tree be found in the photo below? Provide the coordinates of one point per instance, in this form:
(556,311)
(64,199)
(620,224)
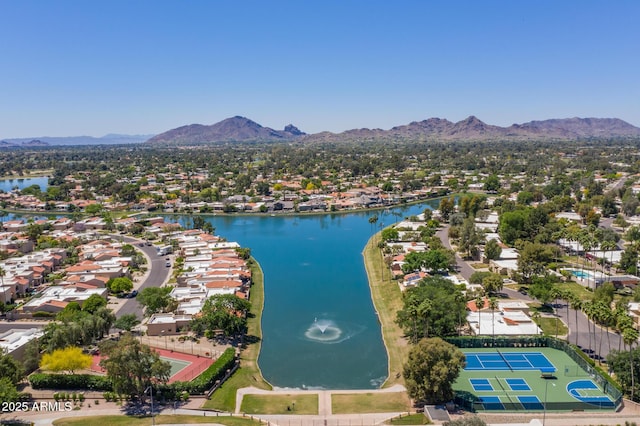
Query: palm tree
(536,317)
(424,309)
(372,221)
(3,272)
(493,304)
(479,305)
(623,320)
(576,304)
(630,336)
(606,246)
(602,315)
(587,308)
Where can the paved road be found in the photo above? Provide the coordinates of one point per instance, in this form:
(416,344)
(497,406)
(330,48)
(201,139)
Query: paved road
(463,267)
(157,274)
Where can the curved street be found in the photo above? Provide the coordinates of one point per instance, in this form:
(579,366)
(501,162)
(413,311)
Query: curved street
(156,275)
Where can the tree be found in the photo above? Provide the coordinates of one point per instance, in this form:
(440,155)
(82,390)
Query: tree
(8,391)
(155,299)
(492,183)
(120,285)
(493,305)
(126,322)
(479,303)
(431,368)
(629,260)
(470,238)
(443,316)
(492,250)
(533,259)
(93,303)
(68,359)
(10,368)
(446,207)
(31,357)
(225,312)
(478,276)
(390,234)
(132,366)
(492,283)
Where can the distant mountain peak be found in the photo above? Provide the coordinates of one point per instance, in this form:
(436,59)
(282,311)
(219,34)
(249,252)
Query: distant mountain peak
(233,129)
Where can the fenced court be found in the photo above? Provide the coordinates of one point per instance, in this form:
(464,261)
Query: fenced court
(527,379)
(184,367)
(512,361)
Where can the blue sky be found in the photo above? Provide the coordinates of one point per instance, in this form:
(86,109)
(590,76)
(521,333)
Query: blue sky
(137,66)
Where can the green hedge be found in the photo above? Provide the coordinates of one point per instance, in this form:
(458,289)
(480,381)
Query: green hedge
(70,381)
(204,381)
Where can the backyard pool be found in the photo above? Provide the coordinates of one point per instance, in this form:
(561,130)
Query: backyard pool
(580,274)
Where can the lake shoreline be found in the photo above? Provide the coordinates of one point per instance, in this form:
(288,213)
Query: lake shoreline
(387,300)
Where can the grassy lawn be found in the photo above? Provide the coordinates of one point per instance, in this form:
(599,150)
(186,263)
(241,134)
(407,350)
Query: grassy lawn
(122,420)
(548,326)
(576,289)
(479,265)
(387,299)
(412,419)
(370,403)
(280,404)
(248,374)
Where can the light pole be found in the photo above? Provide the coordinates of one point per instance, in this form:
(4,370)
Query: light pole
(150,389)
(546,388)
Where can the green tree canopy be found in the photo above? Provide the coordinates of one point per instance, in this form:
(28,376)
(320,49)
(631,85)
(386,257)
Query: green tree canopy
(155,299)
(120,285)
(492,283)
(132,366)
(93,303)
(431,368)
(126,322)
(11,368)
(492,250)
(222,312)
(446,312)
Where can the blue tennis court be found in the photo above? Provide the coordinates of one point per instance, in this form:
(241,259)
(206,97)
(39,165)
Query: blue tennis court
(491,403)
(509,361)
(518,384)
(587,391)
(481,385)
(530,402)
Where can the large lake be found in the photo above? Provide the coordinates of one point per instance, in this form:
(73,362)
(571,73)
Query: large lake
(320,329)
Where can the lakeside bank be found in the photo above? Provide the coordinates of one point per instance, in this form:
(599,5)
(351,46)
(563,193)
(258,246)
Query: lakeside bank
(249,373)
(387,301)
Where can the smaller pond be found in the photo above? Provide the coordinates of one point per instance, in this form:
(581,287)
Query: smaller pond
(7,185)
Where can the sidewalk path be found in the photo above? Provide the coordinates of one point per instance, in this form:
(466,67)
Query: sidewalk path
(324,396)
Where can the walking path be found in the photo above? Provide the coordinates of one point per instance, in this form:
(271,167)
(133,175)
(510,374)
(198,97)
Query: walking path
(324,396)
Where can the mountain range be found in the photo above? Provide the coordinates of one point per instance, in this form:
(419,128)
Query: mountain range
(240,129)
(232,129)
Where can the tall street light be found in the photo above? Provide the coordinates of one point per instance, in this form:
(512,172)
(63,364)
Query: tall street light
(150,389)
(546,388)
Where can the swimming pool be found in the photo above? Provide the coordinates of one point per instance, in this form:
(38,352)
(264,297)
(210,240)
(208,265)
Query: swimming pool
(580,274)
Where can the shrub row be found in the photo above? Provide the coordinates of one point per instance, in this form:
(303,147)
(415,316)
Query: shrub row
(70,381)
(204,381)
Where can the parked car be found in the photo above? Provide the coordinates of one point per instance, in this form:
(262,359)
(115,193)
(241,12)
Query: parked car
(133,294)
